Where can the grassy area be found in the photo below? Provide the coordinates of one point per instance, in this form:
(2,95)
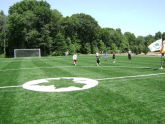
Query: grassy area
(127,100)
(63,83)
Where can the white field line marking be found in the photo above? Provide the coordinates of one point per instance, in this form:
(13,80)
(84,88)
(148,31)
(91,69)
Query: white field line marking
(146,75)
(28,60)
(10,86)
(72,67)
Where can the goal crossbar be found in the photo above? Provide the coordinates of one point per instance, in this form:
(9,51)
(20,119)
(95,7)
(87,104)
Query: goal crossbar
(27,53)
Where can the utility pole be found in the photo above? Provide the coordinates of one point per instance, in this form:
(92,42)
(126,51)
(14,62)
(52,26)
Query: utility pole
(162,54)
(161,67)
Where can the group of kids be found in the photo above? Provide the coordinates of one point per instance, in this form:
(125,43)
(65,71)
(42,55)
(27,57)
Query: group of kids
(98,58)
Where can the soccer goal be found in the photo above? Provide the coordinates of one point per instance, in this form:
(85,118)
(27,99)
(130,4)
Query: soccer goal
(27,53)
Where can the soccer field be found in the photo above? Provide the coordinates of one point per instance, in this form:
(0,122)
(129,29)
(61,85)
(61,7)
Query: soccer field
(127,91)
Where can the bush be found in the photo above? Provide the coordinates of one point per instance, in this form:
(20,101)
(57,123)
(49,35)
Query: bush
(2,56)
(57,53)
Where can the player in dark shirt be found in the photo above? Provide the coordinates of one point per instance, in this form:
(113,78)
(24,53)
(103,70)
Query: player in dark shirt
(97,60)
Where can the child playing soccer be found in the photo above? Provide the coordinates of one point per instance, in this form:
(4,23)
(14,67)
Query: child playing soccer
(114,57)
(106,56)
(75,59)
(129,54)
(97,59)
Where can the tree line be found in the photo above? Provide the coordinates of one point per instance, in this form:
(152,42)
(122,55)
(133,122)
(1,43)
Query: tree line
(32,24)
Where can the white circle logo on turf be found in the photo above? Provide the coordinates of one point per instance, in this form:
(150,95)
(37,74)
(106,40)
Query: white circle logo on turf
(36,85)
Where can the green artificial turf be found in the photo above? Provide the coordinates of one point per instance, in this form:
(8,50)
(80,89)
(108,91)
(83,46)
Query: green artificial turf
(63,83)
(128,100)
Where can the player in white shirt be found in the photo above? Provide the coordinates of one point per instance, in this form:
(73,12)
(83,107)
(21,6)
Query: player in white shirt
(129,54)
(97,59)
(97,54)
(75,59)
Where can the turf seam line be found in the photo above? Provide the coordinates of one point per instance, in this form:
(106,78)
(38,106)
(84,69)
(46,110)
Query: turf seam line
(71,66)
(10,87)
(147,75)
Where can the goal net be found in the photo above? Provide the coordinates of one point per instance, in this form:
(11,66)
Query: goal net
(27,53)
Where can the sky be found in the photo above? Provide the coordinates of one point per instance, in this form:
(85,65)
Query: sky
(141,17)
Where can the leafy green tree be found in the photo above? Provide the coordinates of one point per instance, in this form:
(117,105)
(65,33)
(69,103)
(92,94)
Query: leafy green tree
(163,36)
(87,48)
(113,47)
(40,8)
(2,21)
(139,45)
(116,38)
(45,36)
(106,35)
(119,31)
(130,37)
(32,24)
(148,40)
(26,24)
(70,46)
(55,24)
(70,26)
(87,30)
(56,16)
(124,45)
(15,33)
(101,46)
(94,47)
(59,45)
(3,27)
(32,39)
(158,35)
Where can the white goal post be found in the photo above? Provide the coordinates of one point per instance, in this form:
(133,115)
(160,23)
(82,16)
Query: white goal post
(27,53)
